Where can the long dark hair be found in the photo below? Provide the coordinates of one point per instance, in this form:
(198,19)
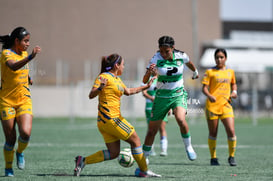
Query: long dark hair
(220,50)
(166,41)
(107,63)
(8,40)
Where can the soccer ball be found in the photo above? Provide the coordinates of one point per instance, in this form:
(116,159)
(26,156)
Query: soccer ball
(126,158)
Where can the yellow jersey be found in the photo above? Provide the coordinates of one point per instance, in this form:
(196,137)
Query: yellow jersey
(219,82)
(109,96)
(14,84)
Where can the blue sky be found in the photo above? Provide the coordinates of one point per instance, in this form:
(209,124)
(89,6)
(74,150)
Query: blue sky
(246,10)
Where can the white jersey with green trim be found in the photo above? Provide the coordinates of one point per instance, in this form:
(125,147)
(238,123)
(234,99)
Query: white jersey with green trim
(170,74)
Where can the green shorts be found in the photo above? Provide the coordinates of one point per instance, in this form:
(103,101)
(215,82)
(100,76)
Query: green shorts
(148,116)
(161,106)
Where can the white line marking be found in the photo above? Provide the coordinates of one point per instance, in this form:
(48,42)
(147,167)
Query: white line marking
(156,145)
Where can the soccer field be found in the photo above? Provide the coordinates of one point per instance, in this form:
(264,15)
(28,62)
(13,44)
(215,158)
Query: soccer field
(55,143)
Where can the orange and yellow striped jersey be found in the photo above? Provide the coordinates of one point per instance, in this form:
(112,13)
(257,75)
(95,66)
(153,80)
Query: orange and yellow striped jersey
(219,82)
(14,84)
(109,96)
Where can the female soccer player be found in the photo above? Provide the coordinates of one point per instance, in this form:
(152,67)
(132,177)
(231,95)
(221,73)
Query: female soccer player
(168,63)
(219,85)
(149,94)
(113,127)
(15,100)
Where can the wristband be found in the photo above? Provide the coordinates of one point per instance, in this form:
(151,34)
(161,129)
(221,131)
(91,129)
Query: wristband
(30,57)
(235,91)
(99,88)
(195,73)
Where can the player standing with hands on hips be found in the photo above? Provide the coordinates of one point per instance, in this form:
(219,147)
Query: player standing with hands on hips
(113,127)
(219,85)
(169,64)
(15,99)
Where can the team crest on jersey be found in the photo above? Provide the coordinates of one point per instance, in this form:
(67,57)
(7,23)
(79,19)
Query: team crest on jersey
(178,63)
(4,114)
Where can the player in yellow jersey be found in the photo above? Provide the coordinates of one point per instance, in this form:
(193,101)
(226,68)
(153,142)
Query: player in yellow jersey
(113,127)
(15,99)
(219,85)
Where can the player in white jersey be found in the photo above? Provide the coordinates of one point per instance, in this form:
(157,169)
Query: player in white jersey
(168,63)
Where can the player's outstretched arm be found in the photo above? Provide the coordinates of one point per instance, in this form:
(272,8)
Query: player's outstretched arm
(135,90)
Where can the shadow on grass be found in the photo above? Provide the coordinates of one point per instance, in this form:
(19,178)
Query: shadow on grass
(83,175)
(95,175)
(181,164)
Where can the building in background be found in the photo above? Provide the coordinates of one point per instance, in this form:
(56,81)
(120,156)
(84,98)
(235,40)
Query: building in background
(74,35)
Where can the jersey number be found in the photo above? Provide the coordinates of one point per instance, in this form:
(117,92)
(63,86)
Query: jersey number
(171,70)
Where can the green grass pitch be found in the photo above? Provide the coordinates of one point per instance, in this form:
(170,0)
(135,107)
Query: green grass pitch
(56,141)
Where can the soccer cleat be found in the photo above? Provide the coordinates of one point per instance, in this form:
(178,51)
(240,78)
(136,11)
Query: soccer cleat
(79,160)
(9,172)
(191,153)
(20,160)
(149,173)
(163,153)
(231,161)
(214,162)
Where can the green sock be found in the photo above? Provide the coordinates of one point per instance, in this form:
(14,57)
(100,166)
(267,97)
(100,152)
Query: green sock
(187,135)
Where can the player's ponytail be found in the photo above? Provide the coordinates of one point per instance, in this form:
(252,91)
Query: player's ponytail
(108,62)
(8,40)
(5,40)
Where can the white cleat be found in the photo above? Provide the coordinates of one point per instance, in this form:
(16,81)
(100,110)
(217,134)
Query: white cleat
(163,153)
(149,173)
(191,153)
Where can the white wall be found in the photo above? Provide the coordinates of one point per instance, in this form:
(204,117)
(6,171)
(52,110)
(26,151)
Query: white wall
(73,101)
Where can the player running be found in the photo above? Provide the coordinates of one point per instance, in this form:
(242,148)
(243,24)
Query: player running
(219,85)
(15,100)
(168,63)
(149,94)
(113,127)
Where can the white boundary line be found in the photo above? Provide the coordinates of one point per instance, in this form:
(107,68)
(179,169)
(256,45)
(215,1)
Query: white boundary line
(156,145)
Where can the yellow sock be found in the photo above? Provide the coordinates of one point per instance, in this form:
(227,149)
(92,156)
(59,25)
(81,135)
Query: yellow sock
(140,158)
(99,156)
(232,145)
(8,155)
(212,146)
(22,144)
